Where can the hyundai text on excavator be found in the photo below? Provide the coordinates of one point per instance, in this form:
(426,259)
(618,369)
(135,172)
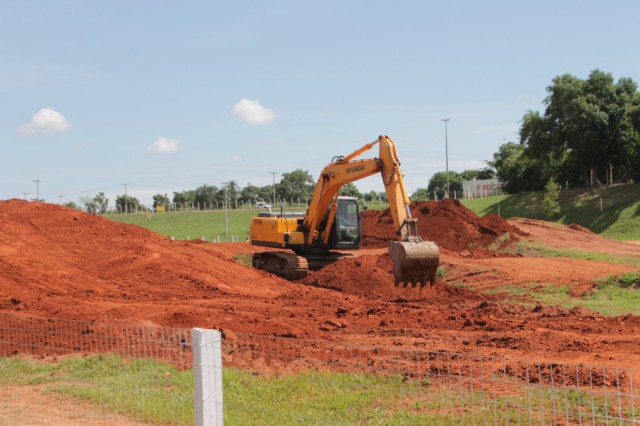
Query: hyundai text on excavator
(332,222)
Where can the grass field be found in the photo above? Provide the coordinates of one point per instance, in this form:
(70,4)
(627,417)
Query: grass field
(612,212)
(156,393)
(611,296)
(619,217)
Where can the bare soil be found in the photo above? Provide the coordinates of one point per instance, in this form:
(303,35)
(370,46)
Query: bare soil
(62,263)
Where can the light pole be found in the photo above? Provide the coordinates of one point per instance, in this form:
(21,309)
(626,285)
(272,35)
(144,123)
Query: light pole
(37,181)
(61,197)
(446,154)
(274,187)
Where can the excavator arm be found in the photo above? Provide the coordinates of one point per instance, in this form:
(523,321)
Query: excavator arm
(415,261)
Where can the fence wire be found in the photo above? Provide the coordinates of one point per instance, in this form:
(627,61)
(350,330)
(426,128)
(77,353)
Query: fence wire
(59,372)
(56,372)
(397,386)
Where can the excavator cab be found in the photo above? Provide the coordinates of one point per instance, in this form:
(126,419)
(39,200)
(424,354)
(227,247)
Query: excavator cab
(346,232)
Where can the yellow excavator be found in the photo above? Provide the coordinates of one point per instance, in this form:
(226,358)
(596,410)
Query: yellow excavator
(332,223)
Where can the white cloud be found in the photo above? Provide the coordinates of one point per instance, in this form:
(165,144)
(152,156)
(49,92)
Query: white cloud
(164,146)
(252,112)
(47,120)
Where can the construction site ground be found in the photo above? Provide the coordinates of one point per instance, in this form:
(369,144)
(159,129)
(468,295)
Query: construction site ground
(57,262)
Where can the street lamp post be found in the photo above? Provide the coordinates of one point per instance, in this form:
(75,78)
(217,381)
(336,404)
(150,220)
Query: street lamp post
(446,154)
(37,181)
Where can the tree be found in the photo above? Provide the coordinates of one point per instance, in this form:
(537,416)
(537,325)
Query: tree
(184,197)
(128,204)
(296,185)
(265,193)
(480,174)
(590,128)
(421,194)
(350,190)
(71,205)
(99,204)
(550,202)
(249,194)
(517,171)
(160,200)
(438,184)
(207,195)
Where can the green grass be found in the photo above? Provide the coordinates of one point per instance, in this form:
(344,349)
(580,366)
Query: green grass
(157,393)
(618,219)
(140,389)
(212,226)
(534,249)
(612,296)
(195,225)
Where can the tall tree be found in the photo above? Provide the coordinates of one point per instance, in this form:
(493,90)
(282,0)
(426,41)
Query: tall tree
(589,125)
(421,194)
(128,204)
(184,197)
(517,171)
(207,196)
(350,190)
(295,185)
(438,184)
(481,174)
(160,200)
(99,204)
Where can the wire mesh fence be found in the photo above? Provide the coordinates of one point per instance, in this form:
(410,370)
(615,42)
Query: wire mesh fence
(78,372)
(55,371)
(396,386)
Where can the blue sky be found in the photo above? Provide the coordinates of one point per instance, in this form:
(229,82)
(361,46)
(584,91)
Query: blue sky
(167,96)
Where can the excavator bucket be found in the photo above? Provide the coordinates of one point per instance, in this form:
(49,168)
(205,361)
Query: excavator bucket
(414,262)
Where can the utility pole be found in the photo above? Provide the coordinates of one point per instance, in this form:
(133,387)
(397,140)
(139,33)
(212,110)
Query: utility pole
(37,181)
(126,200)
(61,197)
(25,195)
(274,187)
(446,147)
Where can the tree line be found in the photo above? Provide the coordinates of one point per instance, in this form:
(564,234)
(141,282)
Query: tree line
(588,135)
(294,187)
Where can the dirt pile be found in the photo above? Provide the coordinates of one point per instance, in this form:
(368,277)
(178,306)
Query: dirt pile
(61,263)
(448,223)
(371,277)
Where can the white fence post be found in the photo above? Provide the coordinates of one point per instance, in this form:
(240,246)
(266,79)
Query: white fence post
(207,374)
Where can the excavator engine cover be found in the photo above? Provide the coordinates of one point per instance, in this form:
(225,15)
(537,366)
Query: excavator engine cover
(414,262)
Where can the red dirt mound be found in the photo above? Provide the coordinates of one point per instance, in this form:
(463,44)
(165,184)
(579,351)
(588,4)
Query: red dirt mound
(448,223)
(62,263)
(371,276)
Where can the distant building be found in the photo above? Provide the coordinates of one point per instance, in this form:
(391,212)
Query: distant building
(481,188)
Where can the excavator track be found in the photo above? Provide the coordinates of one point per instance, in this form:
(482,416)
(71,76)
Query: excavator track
(286,265)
